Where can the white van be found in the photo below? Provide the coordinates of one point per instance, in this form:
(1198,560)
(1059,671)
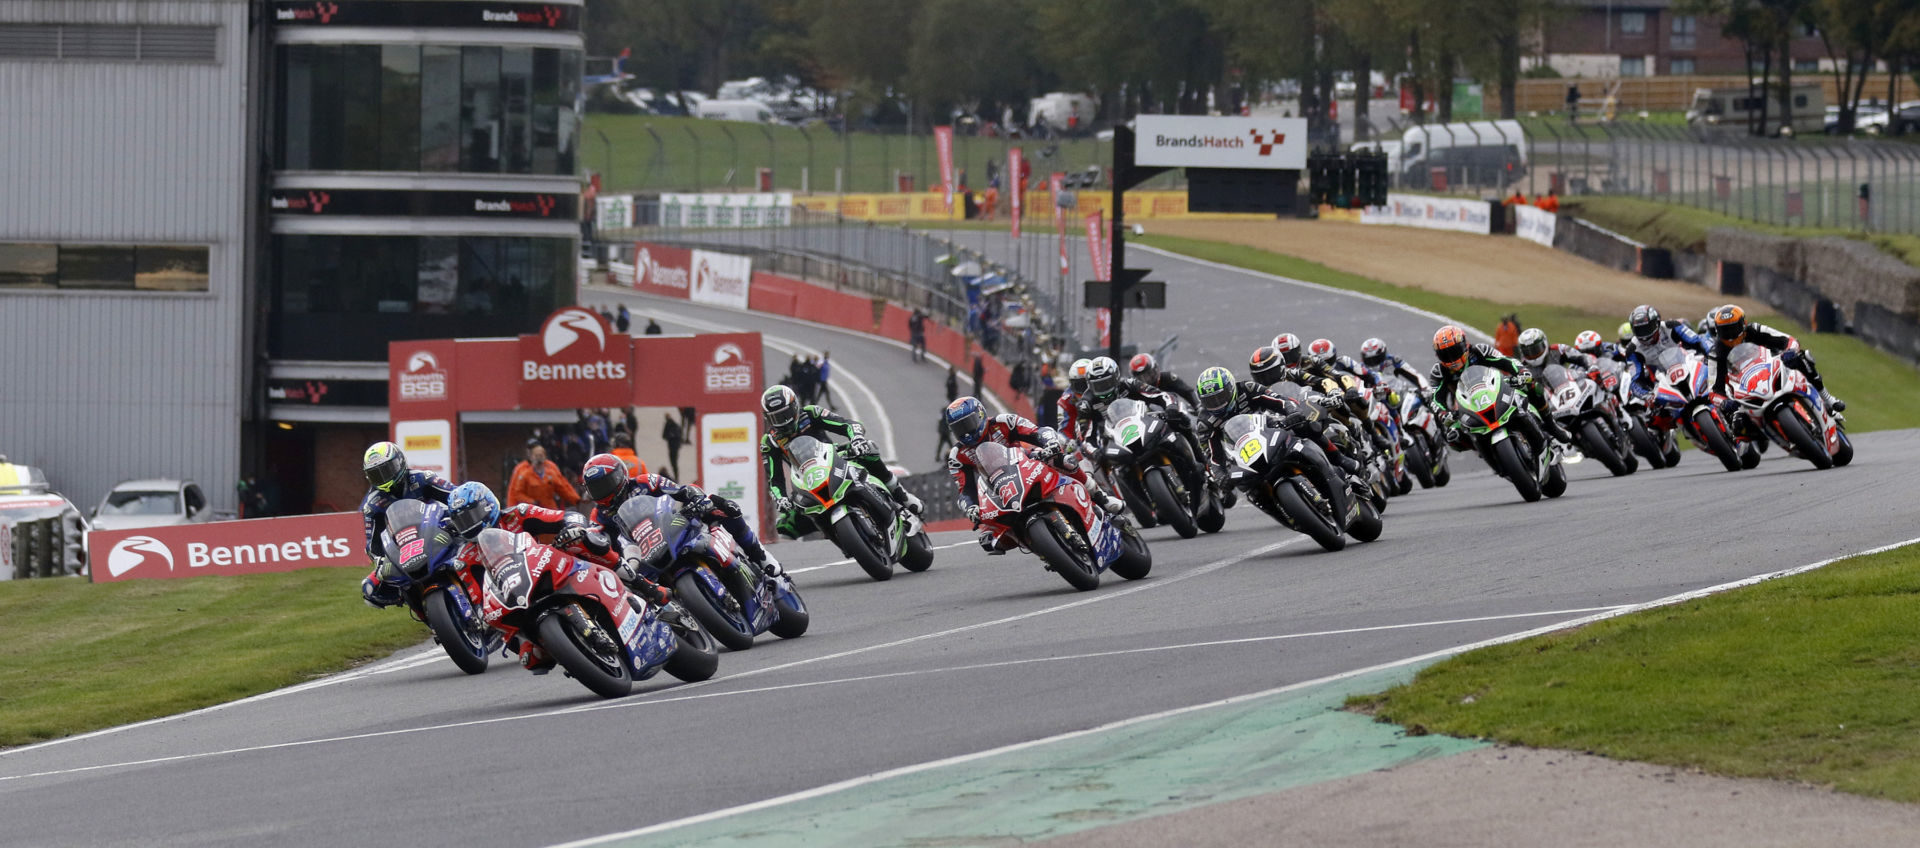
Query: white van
(1057,107)
(751,111)
(1473,152)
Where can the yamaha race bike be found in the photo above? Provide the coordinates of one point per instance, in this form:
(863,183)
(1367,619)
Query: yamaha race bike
(1506,434)
(1050,514)
(1288,477)
(1782,403)
(580,613)
(420,559)
(1156,470)
(833,496)
(1683,398)
(1593,416)
(708,573)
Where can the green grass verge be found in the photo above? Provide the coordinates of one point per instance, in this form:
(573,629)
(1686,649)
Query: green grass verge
(1882,392)
(698,154)
(1679,227)
(82,656)
(1811,678)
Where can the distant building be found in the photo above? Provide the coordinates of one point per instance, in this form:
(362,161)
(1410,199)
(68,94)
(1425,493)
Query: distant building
(1638,38)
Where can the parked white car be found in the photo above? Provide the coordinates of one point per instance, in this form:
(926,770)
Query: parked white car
(151,503)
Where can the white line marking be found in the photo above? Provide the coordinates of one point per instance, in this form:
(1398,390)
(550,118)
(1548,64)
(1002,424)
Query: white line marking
(916,768)
(640,700)
(850,562)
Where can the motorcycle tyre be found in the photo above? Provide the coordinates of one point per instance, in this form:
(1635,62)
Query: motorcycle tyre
(444,619)
(1419,462)
(558,638)
(696,657)
(1845,454)
(1366,526)
(693,596)
(1644,444)
(1309,520)
(1599,448)
(857,536)
(1804,444)
(791,621)
(1716,441)
(919,553)
(1139,504)
(1515,470)
(1556,484)
(1213,515)
(1168,505)
(1054,551)
(1134,560)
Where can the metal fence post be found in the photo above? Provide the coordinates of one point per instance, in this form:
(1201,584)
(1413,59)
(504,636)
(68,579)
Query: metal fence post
(688,126)
(773,160)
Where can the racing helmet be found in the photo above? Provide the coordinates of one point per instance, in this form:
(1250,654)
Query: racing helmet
(384,465)
(470,509)
(1588,342)
(1266,365)
(1373,352)
(782,410)
(1217,390)
(1625,333)
(1450,346)
(1289,346)
(1533,347)
(1077,375)
(603,476)
(1321,352)
(1145,368)
(966,418)
(1103,378)
(1729,324)
(1644,323)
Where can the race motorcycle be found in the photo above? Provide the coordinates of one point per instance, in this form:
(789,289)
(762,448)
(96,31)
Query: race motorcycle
(1507,435)
(1658,448)
(1783,404)
(1683,398)
(580,614)
(833,496)
(1156,473)
(419,559)
(1050,514)
(1394,461)
(1424,444)
(1587,411)
(1288,477)
(708,573)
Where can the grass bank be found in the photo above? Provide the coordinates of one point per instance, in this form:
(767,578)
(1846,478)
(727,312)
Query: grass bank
(1679,227)
(1811,678)
(1881,391)
(82,656)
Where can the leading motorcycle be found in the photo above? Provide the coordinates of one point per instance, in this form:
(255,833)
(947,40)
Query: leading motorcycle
(1785,406)
(419,558)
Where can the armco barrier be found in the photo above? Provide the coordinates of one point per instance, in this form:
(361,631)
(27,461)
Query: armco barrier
(248,546)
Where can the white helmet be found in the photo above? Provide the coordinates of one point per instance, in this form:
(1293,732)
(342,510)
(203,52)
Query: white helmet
(1532,347)
(1077,375)
(1103,377)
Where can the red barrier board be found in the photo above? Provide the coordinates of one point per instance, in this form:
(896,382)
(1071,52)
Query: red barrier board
(662,270)
(249,546)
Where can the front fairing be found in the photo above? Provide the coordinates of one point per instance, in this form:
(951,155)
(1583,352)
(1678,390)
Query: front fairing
(817,474)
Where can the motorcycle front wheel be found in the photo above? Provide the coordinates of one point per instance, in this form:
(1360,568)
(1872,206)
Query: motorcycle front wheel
(595,668)
(1716,441)
(1516,469)
(860,539)
(468,650)
(695,655)
(919,555)
(1804,444)
(1057,553)
(1308,519)
(1167,505)
(692,594)
(1598,447)
(1134,560)
(1419,462)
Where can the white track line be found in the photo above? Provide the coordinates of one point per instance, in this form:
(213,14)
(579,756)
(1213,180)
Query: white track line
(876,777)
(850,562)
(677,692)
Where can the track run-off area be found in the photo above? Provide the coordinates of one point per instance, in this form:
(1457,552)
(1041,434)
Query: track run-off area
(982,701)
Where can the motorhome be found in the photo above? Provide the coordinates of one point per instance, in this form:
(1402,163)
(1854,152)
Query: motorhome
(1737,107)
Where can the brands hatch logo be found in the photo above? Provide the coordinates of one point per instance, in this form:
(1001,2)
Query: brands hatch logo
(323,12)
(729,371)
(569,327)
(541,204)
(1266,147)
(424,379)
(548,15)
(134,551)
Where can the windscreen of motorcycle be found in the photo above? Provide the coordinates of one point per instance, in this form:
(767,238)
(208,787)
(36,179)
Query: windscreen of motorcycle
(1672,363)
(1479,389)
(812,462)
(1000,481)
(1126,421)
(650,522)
(508,579)
(1247,435)
(1757,372)
(406,544)
(1565,391)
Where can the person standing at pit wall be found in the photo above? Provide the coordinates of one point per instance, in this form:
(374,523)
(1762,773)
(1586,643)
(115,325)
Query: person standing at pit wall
(538,481)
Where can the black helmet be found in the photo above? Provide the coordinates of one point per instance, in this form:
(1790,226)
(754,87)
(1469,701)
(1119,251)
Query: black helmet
(1266,365)
(1645,322)
(1217,390)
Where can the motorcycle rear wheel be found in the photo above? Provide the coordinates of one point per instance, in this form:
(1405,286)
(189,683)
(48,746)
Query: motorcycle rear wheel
(1213,514)
(1167,505)
(1804,444)
(692,592)
(695,655)
(606,676)
(791,621)
(1514,468)
(1057,553)
(919,554)
(1308,519)
(1844,454)
(468,651)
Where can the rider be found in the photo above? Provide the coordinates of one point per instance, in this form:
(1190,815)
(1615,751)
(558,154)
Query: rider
(386,470)
(1374,354)
(1105,385)
(1652,336)
(971,427)
(1070,399)
(1624,334)
(606,482)
(1731,328)
(1596,348)
(788,419)
(1456,355)
(1148,372)
(1538,354)
(1222,397)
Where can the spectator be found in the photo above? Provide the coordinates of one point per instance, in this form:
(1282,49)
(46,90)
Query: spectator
(671,433)
(653,327)
(1507,335)
(623,448)
(826,371)
(622,320)
(1517,199)
(1018,379)
(917,334)
(606,313)
(809,388)
(629,421)
(1573,104)
(989,203)
(953,383)
(979,373)
(538,481)
(946,438)
(1549,202)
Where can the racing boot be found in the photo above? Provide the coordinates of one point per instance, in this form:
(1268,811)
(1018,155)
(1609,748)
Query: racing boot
(532,658)
(903,497)
(1835,403)
(1113,505)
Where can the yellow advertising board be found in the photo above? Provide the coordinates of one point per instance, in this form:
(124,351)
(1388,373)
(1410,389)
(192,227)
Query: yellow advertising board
(931,206)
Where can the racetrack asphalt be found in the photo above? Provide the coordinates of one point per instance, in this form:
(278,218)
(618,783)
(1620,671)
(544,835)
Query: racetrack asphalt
(974,654)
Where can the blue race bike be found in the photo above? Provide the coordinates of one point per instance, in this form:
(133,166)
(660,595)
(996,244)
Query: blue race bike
(709,575)
(420,560)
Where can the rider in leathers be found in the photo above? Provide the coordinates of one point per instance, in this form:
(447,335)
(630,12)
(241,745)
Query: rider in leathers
(610,488)
(971,428)
(1147,370)
(1537,354)
(1651,337)
(386,470)
(788,419)
(1269,367)
(1456,356)
(1374,354)
(1732,329)
(1222,398)
(1105,385)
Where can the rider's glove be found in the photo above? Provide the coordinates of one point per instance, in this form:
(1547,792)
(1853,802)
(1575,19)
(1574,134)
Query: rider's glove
(569,535)
(782,504)
(973,513)
(861,447)
(629,570)
(376,595)
(1523,377)
(1045,453)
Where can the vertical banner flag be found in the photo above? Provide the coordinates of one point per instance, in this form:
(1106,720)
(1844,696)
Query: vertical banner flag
(1103,318)
(1058,183)
(1018,184)
(1097,245)
(943,147)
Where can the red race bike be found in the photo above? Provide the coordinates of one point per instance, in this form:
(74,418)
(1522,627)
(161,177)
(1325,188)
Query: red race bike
(1051,515)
